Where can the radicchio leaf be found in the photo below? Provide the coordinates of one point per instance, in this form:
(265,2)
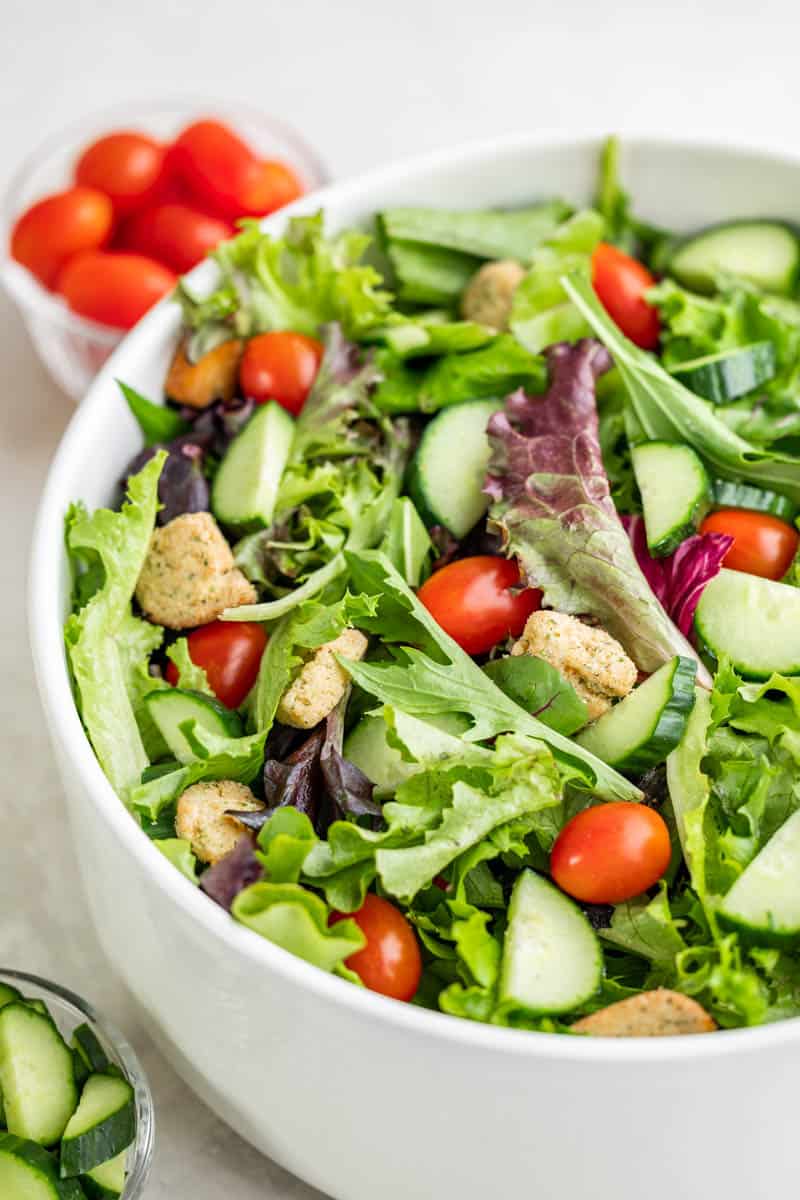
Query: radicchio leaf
(678,579)
(349,789)
(553,507)
(231,874)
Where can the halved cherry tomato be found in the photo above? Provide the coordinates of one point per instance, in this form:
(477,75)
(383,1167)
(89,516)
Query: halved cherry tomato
(472,601)
(390,963)
(621,283)
(55,228)
(762,544)
(607,854)
(175,234)
(114,289)
(230,654)
(125,165)
(280,366)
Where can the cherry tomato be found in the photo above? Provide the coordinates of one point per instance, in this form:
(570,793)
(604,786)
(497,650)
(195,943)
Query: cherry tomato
(219,168)
(230,654)
(55,228)
(611,852)
(472,601)
(178,236)
(621,282)
(280,366)
(278,186)
(114,289)
(126,166)
(390,963)
(762,544)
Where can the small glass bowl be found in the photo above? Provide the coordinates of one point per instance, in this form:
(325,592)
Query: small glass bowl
(68,1011)
(71,347)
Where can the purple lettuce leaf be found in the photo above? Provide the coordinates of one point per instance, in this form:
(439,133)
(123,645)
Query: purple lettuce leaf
(552,505)
(231,874)
(679,578)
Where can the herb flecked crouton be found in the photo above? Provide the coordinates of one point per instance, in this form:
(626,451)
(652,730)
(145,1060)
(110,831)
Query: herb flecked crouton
(321,683)
(189,576)
(488,295)
(660,1013)
(200,817)
(588,657)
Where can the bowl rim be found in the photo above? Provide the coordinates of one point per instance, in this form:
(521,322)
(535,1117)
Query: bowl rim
(45,633)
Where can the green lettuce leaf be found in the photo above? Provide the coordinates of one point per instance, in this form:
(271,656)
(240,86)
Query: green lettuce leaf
(190,677)
(179,852)
(239,759)
(104,640)
(540,689)
(297,920)
(406,542)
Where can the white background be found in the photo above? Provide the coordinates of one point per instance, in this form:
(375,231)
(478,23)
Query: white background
(366,82)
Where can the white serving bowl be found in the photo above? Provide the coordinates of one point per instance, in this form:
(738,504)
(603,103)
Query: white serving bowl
(361,1096)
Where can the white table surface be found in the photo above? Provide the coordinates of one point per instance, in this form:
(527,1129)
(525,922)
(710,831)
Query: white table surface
(368,81)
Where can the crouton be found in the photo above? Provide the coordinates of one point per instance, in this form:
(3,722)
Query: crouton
(488,295)
(212,377)
(200,817)
(321,683)
(189,576)
(660,1013)
(588,657)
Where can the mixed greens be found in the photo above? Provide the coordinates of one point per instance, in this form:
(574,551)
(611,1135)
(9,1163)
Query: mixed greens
(459,561)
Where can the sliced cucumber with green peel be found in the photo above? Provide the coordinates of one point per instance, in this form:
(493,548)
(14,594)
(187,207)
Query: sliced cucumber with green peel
(641,730)
(88,1048)
(766,253)
(728,494)
(765,900)
(172,707)
(367,747)
(108,1180)
(28,1172)
(102,1126)
(724,377)
(675,490)
(246,485)
(9,995)
(447,474)
(753,622)
(36,1075)
(552,961)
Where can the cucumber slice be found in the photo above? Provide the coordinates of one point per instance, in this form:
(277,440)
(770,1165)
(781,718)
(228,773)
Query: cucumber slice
(88,1049)
(8,994)
(103,1125)
(246,485)
(36,1075)
(552,960)
(724,377)
(107,1180)
(728,494)
(171,707)
(640,731)
(367,747)
(764,252)
(27,1172)
(675,489)
(37,1005)
(753,622)
(765,900)
(447,473)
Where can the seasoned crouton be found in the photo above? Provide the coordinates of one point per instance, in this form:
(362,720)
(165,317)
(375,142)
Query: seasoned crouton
(660,1013)
(200,817)
(189,576)
(488,295)
(212,377)
(321,683)
(588,657)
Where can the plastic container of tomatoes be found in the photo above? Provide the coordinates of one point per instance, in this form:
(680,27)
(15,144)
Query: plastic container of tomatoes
(72,347)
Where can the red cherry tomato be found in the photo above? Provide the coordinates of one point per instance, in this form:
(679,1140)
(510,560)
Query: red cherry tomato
(219,168)
(114,289)
(230,654)
(390,963)
(280,366)
(762,544)
(126,166)
(178,236)
(55,228)
(611,852)
(278,186)
(472,601)
(621,283)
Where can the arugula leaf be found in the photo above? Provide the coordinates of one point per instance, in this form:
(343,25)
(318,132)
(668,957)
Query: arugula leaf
(431,675)
(541,690)
(486,233)
(157,423)
(666,410)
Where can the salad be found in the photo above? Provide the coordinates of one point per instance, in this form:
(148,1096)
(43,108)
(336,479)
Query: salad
(448,634)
